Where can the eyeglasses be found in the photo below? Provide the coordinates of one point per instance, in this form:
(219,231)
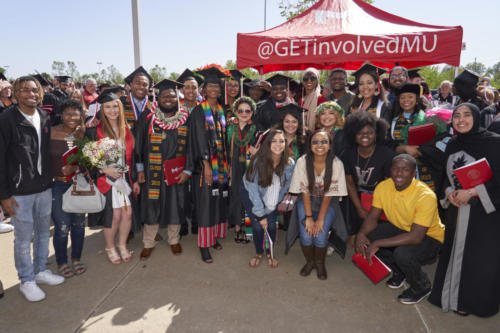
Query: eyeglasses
(317,142)
(400,75)
(309,78)
(28,90)
(247,111)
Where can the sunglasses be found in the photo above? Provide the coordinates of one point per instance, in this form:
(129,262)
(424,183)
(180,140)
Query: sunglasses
(247,111)
(309,78)
(317,142)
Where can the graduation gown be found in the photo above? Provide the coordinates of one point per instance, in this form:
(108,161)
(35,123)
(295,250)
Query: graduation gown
(210,201)
(268,114)
(168,208)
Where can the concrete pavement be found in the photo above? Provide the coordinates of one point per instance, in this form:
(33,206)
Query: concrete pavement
(182,294)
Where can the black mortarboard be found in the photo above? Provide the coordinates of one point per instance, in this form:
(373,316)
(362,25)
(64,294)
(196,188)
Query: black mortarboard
(2,77)
(139,71)
(168,84)
(43,81)
(236,75)
(104,86)
(409,87)
(213,73)
(368,68)
(468,76)
(106,96)
(252,83)
(413,73)
(189,75)
(279,79)
(113,90)
(294,85)
(63,78)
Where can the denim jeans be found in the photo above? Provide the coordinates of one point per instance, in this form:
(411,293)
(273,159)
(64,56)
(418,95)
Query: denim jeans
(65,223)
(258,231)
(32,217)
(322,239)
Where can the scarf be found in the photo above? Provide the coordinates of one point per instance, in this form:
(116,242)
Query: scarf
(216,128)
(235,134)
(310,101)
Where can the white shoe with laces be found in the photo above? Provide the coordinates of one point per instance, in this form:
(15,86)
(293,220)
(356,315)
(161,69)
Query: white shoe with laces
(4,227)
(47,277)
(31,291)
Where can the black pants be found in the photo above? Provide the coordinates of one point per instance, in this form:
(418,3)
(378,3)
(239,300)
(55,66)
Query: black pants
(406,259)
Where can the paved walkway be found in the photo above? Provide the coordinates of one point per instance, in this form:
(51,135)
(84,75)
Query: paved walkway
(183,294)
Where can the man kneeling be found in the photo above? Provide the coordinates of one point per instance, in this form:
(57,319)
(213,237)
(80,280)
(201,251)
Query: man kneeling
(413,234)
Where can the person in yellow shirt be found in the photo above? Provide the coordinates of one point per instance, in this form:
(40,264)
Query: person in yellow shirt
(413,234)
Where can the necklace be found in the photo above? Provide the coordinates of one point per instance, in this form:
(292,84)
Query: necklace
(367,161)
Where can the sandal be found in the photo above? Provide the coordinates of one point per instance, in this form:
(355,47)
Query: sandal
(255,261)
(205,255)
(217,245)
(79,267)
(65,271)
(113,256)
(237,238)
(461,313)
(124,253)
(271,262)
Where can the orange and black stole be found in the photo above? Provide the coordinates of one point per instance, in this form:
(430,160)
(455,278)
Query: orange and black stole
(128,109)
(155,174)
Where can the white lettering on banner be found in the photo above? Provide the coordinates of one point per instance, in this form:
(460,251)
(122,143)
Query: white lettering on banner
(358,46)
(320,16)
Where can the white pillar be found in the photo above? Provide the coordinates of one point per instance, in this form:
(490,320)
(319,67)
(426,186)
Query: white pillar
(136,32)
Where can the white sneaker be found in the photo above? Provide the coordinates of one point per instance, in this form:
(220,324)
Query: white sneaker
(31,291)
(47,277)
(4,227)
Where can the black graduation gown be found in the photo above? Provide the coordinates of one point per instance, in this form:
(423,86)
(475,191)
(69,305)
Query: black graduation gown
(169,207)
(54,100)
(210,201)
(269,115)
(238,168)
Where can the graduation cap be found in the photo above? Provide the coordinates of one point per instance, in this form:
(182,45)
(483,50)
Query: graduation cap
(252,83)
(413,73)
(106,96)
(369,69)
(168,84)
(468,76)
(410,88)
(2,76)
(213,73)
(43,81)
(236,75)
(279,80)
(294,85)
(113,90)
(189,75)
(141,72)
(63,78)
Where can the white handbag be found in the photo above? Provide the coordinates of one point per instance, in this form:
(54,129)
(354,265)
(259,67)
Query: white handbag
(83,197)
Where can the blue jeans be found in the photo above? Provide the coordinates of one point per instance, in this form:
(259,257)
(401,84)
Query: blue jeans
(322,239)
(63,224)
(258,232)
(32,217)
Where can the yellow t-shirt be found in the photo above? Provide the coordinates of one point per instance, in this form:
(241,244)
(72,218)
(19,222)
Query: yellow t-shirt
(415,204)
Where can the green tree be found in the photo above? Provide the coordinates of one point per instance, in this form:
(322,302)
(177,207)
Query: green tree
(158,73)
(72,71)
(58,68)
(290,9)
(477,67)
(113,75)
(173,76)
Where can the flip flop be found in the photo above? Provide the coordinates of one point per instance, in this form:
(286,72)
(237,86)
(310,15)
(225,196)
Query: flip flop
(66,271)
(79,267)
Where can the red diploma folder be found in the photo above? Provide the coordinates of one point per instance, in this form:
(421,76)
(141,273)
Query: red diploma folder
(376,271)
(418,135)
(473,174)
(173,168)
(65,156)
(366,202)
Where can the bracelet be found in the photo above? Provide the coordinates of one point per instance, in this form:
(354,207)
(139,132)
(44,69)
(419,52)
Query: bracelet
(308,216)
(470,193)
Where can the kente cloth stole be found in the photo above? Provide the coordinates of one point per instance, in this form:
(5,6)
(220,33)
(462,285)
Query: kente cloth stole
(242,143)
(216,128)
(155,176)
(131,114)
(400,123)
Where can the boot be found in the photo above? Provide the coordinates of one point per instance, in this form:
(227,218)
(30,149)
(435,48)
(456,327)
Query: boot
(319,258)
(308,252)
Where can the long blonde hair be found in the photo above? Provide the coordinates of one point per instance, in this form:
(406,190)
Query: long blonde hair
(108,129)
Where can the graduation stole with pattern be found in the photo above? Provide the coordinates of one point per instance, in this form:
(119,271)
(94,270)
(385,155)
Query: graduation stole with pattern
(156,135)
(236,137)
(218,159)
(131,114)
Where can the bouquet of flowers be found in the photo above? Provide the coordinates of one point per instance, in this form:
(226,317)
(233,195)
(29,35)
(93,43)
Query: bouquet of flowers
(100,154)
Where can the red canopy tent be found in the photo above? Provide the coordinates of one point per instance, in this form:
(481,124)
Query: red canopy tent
(346,33)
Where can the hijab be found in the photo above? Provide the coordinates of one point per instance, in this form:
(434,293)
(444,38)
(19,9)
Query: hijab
(310,102)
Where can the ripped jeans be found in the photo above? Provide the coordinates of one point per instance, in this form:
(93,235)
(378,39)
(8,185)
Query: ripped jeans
(65,223)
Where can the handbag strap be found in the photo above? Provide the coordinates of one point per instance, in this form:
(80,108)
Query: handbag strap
(90,192)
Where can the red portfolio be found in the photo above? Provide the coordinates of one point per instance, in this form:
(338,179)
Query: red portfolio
(473,174)
(418,135)
(65,157)
(366,202)
(376,271)
(173,168)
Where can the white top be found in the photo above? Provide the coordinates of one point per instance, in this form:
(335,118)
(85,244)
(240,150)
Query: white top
(35,121)
(300,184)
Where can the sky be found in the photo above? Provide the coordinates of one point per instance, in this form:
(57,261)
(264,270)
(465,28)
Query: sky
(190,33)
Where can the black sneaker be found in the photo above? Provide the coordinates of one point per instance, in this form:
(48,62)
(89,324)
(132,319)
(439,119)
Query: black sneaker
(409,296)
(396,281)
